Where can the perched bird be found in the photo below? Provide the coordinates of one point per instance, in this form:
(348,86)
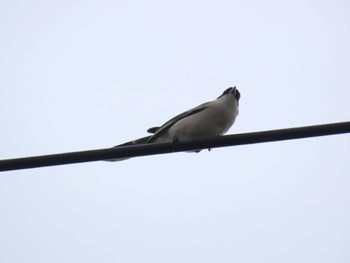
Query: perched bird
(208,120)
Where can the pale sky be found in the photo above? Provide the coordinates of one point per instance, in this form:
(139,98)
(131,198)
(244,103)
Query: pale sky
(81,75)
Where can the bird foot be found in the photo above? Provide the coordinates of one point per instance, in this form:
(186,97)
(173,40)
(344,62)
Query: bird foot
(175,143)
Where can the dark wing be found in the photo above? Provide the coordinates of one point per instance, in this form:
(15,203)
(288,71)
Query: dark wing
(159,131)
(153,129)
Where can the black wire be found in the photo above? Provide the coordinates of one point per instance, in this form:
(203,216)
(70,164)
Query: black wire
(160,148)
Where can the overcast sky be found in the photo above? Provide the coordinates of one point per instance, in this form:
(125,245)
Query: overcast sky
(80,75)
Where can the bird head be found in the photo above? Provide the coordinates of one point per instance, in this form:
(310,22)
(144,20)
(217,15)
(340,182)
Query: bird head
(231,91)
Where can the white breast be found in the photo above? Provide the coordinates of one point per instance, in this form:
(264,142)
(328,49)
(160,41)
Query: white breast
(214,121)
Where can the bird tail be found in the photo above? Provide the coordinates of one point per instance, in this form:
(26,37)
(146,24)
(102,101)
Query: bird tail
(142,140)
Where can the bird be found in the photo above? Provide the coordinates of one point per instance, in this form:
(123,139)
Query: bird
(208,120)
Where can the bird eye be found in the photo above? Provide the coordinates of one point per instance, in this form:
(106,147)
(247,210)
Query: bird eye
(237,94)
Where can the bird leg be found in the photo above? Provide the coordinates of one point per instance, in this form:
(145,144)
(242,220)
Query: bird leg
(175,143)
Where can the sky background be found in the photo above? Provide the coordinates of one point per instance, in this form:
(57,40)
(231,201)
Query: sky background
(80,75)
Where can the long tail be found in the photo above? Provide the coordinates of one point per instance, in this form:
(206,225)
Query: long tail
(142,140)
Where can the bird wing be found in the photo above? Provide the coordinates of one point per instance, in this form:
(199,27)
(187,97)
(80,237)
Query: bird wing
(153,129)
(159,131)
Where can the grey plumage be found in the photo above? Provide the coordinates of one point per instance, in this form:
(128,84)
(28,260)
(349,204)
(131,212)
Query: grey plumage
(208,120)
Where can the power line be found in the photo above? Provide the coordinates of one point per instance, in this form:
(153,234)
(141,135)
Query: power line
(161,148)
